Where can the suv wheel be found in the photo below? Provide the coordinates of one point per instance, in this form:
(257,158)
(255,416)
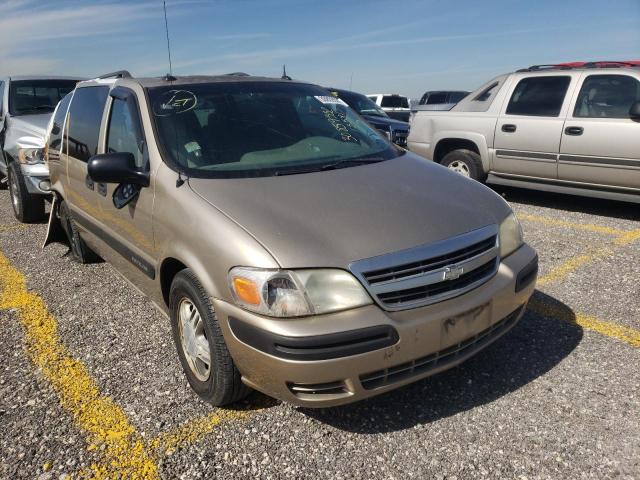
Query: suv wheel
(201,347)
(465,162)
(80,252)
(26,207)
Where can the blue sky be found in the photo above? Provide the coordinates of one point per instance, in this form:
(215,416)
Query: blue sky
(403,46)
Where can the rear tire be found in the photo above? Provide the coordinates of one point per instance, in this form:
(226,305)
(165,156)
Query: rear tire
(27,208)
(80,252)
(211,372)
(466,163)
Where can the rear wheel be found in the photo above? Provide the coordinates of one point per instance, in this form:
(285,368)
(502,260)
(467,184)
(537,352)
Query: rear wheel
(80,252)
(466,163)
(203,353)
(27,208)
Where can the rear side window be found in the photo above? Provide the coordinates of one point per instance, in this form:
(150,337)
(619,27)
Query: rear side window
(125,130)
(85,115)
(57,128)
(393,101)
(437,98)
(538,96)
(607,96)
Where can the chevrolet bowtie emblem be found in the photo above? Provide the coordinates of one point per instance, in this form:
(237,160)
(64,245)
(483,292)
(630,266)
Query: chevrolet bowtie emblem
(451,273)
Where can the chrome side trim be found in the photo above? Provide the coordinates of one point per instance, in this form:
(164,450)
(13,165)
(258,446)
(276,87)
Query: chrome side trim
(536,156)
(599,161)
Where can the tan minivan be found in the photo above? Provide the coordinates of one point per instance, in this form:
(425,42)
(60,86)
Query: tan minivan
(295,249)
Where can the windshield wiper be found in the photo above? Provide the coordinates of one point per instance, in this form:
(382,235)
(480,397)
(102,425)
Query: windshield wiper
(351,162)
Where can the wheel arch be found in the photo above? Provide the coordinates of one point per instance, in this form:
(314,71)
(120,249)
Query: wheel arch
(459,140)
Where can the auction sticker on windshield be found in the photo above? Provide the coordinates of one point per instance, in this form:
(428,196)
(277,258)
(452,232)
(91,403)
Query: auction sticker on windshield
(174,102)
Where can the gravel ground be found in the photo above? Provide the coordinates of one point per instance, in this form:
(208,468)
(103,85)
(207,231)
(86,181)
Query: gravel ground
(549,400)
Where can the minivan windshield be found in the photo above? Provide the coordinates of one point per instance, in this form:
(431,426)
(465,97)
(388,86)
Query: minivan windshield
(251,129)
(28,97)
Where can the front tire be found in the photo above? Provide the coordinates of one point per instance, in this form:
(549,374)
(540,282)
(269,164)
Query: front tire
(27,208)
(203,353)
(466,163)
(80,252)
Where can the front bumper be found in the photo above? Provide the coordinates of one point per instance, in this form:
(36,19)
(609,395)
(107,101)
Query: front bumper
(35,176)
(311,362)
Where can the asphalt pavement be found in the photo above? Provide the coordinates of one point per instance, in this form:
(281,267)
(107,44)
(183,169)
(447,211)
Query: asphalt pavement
(91,386)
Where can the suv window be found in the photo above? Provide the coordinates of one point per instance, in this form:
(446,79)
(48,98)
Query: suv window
(55,137)
(85,115)
(394,101)
(486,93)
(607,96)
(1,96)
(28,97)
(125,130)
(539,96)
(437,98)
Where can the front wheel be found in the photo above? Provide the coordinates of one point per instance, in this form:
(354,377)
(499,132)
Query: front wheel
(203,353)
(27,208)
(80,251)
(466,163)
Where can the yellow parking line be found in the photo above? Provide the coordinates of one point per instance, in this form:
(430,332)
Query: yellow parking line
(97,415)
(125,454)
(10,228)
(192,431)
(562,271)
(572,225)
(628,335)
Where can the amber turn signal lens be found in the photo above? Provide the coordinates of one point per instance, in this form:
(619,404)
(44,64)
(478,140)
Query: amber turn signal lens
(246,290)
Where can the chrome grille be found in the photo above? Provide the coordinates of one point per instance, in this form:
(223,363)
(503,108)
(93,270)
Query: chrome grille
(431,273)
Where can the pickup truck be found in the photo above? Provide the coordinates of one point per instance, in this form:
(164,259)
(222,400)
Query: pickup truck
(564,128)
(26,106)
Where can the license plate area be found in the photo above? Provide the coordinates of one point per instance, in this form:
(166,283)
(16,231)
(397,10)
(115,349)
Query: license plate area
(461,327)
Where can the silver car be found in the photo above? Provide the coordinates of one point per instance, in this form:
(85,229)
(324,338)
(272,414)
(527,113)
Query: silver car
(293,247)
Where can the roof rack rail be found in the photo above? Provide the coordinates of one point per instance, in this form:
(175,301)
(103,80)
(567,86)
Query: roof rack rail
(118,74)
(534,68)
(572,65)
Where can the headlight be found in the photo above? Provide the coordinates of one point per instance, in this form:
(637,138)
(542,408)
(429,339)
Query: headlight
(511,237)
(31,156)
(295,293)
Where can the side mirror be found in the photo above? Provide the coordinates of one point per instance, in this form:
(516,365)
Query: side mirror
(634,111)
(116,168)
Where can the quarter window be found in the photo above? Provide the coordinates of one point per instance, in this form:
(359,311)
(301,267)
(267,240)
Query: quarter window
(55,136)
(539,96)
(607,96)
(125,130)
(85,115)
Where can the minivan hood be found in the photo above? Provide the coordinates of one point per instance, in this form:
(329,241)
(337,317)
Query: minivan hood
(332,218)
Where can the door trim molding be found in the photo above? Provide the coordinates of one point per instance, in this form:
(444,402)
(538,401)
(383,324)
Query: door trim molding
(536,156)
(603,161)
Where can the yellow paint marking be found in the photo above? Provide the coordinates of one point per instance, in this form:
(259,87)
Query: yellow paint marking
(105,423)
(627,237)
(125,453)
(562,271)
(191,431)
(628,335)
(10,228)
(572,225)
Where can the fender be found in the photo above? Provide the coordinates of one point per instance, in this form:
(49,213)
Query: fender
(55,231)
(477,138)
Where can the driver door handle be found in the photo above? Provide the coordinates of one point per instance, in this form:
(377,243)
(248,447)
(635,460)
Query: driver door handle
(509,128)
(574,131)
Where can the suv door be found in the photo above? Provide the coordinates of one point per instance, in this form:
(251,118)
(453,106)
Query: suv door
(81,135)
(128,232)
(600,143)
(527,136)
(2,164)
